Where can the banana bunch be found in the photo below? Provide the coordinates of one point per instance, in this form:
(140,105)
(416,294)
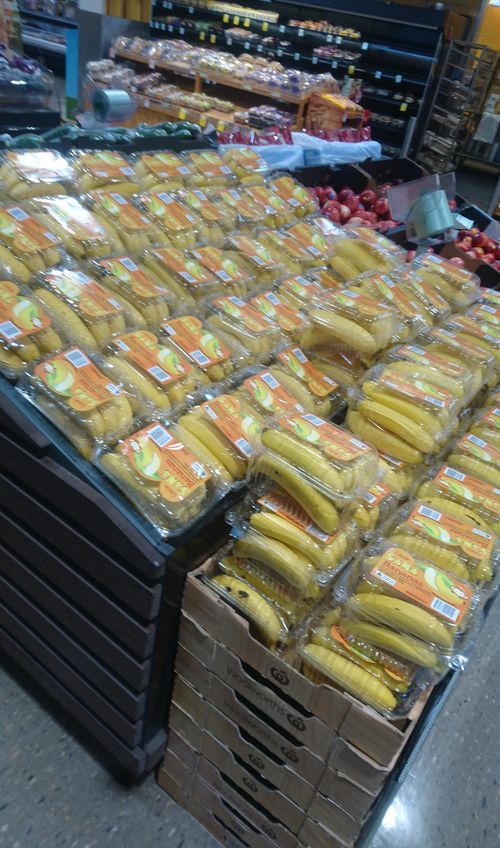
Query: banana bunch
(105,170)
(245,212)
(480,333)
(162,171)
(470,497)
(298,292)
(309,387)
(244,325)
(34,173)
(415,361)
(211,353)
(310,235)
(437,308)
(456,285)
(84,234)
(374,507)
(413,317)
(217,219)
(342,364)
(136,231)
(288,603)
(184,276)
(228,267)
(207,168)
(263,267)
(32,332)
(483,457)
(302,203)
(286,250)
(180,226)
(376,639)
(397,475)
(286,564)
(247,164)
(253,605)
(289,319)
(147,299)
(487,426)
(357,256)
(447,345)
(275,212)
(25,247)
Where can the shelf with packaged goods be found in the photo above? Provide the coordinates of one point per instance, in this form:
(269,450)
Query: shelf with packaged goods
(220,120)
(49,19)
(42,43)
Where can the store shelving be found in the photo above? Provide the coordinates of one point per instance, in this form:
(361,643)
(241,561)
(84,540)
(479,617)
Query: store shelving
(45,31)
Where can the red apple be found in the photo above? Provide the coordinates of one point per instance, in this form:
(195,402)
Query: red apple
(368,198)
(345,214)
(457,260)
(490,247)
(352,203)
(334,215)
(478,252)
(344,193)
(382,208)
(373,217)
(468,241)
(488,258)
(480,240)
(463,234)
(356,221)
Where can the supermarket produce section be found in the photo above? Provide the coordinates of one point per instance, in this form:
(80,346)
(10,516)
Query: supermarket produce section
(219,405)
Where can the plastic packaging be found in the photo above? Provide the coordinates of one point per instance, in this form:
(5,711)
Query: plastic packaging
(186,278)
(209,169)
(312,239)
(30,173)
(300,200)
(485,313)
(289,319)
(298,291)
(25,246)
(481,333)
(376,239)
(413,318)
(182,227)
(106,170)
(244,325)
(487,425)
(457,285)
(477,455)
(266,269)
(399,476)
(324,279)
(491,296)
(215,220)
(352,257)
(415,361)
(375,507)
(264,389)
(246,163)
(137,231)
(314,389)
(228,267)
(464,351)
(339,362)
(161,171)
(436,306)
(82,395)
(447,541)
(84,234)
(247,214)
(211,352)
(27,331)
(287,250)
(472,499)
(143,294)
(275,212)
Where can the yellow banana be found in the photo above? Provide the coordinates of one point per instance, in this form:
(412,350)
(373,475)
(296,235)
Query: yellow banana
(402,615)
(253,605)
(344,330)
(428,420)
(429,374)
(389,640)
(476,467)
(344,269)
(349,676)
(289,565)
(425,549)
(200,450)
(399,425)
(305,457)
(216,444)
(384,441)
(74,326)
(322,556)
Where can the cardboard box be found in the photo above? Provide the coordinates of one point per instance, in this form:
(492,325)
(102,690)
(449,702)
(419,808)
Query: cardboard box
(358,767)
(188,802)
(333,819)
(314,835)
(344,793)
(239,832)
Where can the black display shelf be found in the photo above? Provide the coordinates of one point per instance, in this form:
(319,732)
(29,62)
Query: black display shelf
(49,19)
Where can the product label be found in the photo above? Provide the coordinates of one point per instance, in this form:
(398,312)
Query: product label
(198,200)
(376,494)
(157,456)
(40,166)
(300,288)
(336,443)
(165,165)
(466,488)
(133,278)
(288,319)
(268,199)
(19,316)
(428,293)
(77,221)
(491,295)
(424,585)
(491,419)
(452,532)
(436,360)
(22,234)
(72,375)
(310,238)
(282,504)
(105,165)
(416,389)
(201,345)
(291,192)
(283,243)
(323,279)
(357,303)
(374,238)
(240,429)
(270,394)
(443,266)
(254,251)
(221,264)
(391,292)
(246,208)
(297,362)
(179,263)
(89,296)
(458,343)
(245,313)
(479,449)
(126,216)
(488,332)
(247,158)
(174,216)
(486,312)
(209,164)
(161,362)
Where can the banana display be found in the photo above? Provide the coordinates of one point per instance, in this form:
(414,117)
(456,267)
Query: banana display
(456,285)
(212,353)
(246,163)
(147,298)
(245,325)
(311,384)
(26,248)
(217,218)
(27,331)
(105,170)
(413,317)
(34,173)
(137,231)
(161,171)
(84,234)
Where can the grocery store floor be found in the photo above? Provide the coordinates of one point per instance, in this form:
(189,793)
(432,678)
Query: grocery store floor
(55,791)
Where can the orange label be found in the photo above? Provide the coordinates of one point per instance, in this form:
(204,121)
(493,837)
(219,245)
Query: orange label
(74,377)
(254,251)
(77,288)
(288,319)
(297,362)
(77,221)
(270,394)
(354,302)
(428,293)
(479,449)
(283,242)
(126,216)
(245,207)
(173,215)
(391,292)
(468,489)
(423,584)
(481,330)
(198,200)
(247,158)
(291,192)
(311,238)
(133,278)
(19,316)
(240,430)
(165,165)
(374,238)
(221,264)
(282,504)
(486,312)
(209,164)
(436,360)
(22,233)
(105,165)
(491,295)
(416,389)
(201,345)
(181,264)
(443,266)
(376,494)
(161,362)
(324,279)
(267,199)
(156,455)
(491,418)
(38,166)
(336,443)
(458,343)
(301,288)
(245,313)
(451,532)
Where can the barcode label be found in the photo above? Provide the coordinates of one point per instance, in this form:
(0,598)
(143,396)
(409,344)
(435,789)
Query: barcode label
(447,610)
(200,358)
(476,441)
(224,276)
(160,436)
(113,389)
(114,303)
(271,297)
(303,281)
(122,345)
(385,577)
(199,470)
(200,194)
(165,197)
(313,419)
(269,380)
(478,532)
(127,171)
(159,374)
(9,330)
(415,349)
(429,513)
(298,353)
(129,265)
(244,446)
(457,475)
(77,358)
(210,412)
(236,301)
(17,213)
(119,199)
(434,401)
(313,250)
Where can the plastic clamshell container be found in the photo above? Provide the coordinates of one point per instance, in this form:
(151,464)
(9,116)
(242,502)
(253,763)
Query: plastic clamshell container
(82,395)
(30,173)
(287,250)
(464,350)
(457,285)
(455,545)
(263,265)
(181,226)
(157,370)
(314,389)
(26,247)
(299,290)
(483,312)
(300,200)
(378,240)
(184,276)
(473,497)
(290,320)
(311,238)
(323,279)
(137,231)
(90,312)
(84,234)
(481,333)
(246,163)
(106,170)
(275,212)
(164,480)
(246,212)
(244,324)
(263,388)
(491,296)
(435,304)
(352,319)
(487,425)
(228,267)
(400,477)
(354,256)
(211,352)
(416,361)
(27,330)
(473,450)
(144,294)
(412,315)
(208,168)
(215,222)
(161,171)
(375,506)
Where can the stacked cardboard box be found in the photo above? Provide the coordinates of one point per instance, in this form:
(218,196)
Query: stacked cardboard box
(259,754)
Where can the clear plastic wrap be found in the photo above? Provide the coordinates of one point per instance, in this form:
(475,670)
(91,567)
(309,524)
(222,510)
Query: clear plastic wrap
(324,279)
(275,212)
(400,476)
(246,163)
(229,268)
(264,389)
(472,449)
(413,318)
(215,220)
(352,319)
(84,234)
(82,395)
(169,484)
(298,291)
(437,307)
(376,239)
(246,212)
(464,351)
(312,239)
(266,269)
(290,320)
(485,313)
(352,257)
(302,203)
(25,246)
(182,227)
(186,278)
(375,507)
(286,250)
(27,331)
(137,231)
(487,425)
(213,353)
(209,169)
(31,173)
(471,498)
(106,170)
(481,333)
(244,325)
(491,296)
(415,361)
(342,364)
(143,294)
(457,285)
(161,171)
(314,389)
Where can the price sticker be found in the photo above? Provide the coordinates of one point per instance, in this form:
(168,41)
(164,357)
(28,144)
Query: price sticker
(364,46)
(329,39)
(246,22)
(335,64)
(265,26)
(213,39)
(296,56)
(403,107)
(378,74)
(282,28)
(351,69)
(202,121)
(259,48)
(182,114)
(338,40)
(247,45)
(236,20)
(229,40)
(220,126)
(300,32)
(151,64)
(225,18)
(202,36)
(314,60)
(398,78)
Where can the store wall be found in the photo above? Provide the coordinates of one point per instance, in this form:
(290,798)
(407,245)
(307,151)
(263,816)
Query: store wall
(489,31)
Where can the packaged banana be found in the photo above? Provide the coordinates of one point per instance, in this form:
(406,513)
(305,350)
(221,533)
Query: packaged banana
(378,240)
(449,542)
(244,325)
(435,305)
(161,171)
(481,333)
(414,361)
(246,212)
(491,296)
(374,508)
(468,495)
(212,353)
(266,269)
(82,395)
(31,173)
(465,351)
(180,226)
(84,234)
(187,279)
(425,613)
(106,170)
(262,388)
(159,373)
(246,163)
(287,250)
(298,291)
(485,313)
(350,661)
(361,256)
(233,272)
(90,313)
(217,221)
(289,319)
(323,279)
(457,285)
(301,201)
(25,246)
(413,318)
(274,211)
(208,168)
(385,440)
(354,320)
(339,362)
(136,286)
(227,429)
(167,483)
(27,330)
(476,456)
(137,231)
(312,387)
(400,477)
(311,238)
(487,425)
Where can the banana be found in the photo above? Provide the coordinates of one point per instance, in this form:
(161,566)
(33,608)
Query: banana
(199,449)
(336,372)
(141,383)
(253,605)
(429,374)
(305,457)
(282,560)
(216,444)
(344,269)
(14,266)
(398,424)
(322,556)
(74,326)
(349,676)
(425,549)
(384,441)
(380,394)
(295,387)
(383,637)
(475,467)
(402,615)
(344,330)
(433,497)
(48,340)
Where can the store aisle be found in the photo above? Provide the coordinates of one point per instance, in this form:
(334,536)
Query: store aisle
(54,793)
